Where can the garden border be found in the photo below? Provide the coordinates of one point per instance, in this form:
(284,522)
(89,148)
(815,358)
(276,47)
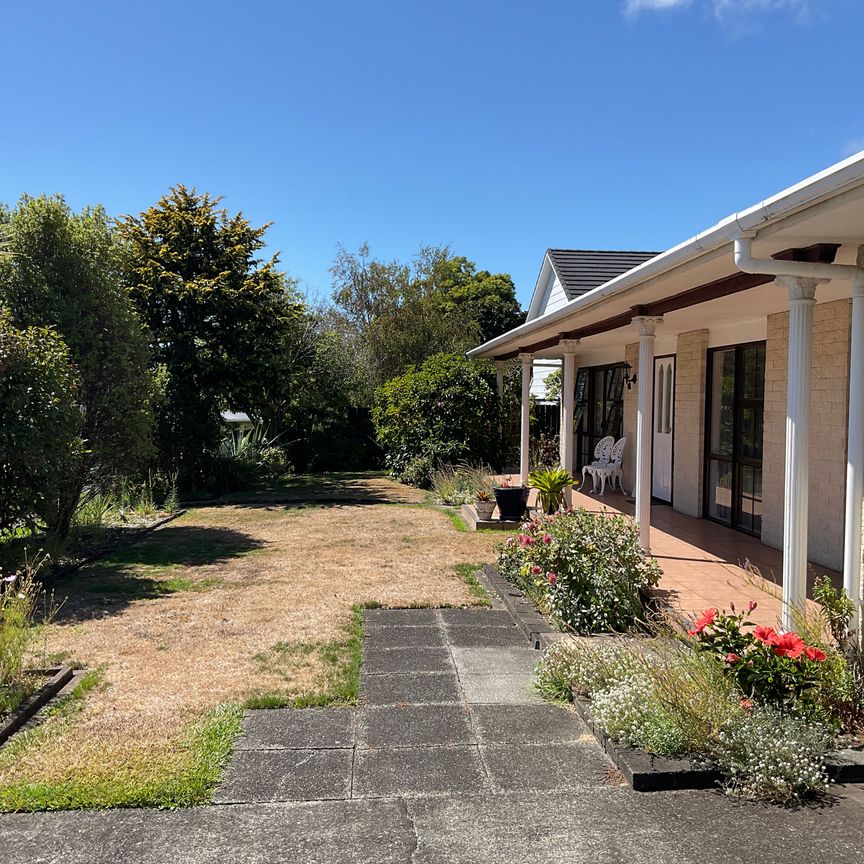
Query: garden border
(643,771)
(60,677)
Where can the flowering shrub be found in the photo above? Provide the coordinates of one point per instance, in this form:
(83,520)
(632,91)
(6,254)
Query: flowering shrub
(567,668)
(774,755)
(587,570)
(767,666)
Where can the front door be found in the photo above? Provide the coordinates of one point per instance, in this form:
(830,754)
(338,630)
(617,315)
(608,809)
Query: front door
(664,421)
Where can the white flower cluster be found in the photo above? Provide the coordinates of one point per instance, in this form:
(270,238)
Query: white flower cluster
(623,709)
(773,755)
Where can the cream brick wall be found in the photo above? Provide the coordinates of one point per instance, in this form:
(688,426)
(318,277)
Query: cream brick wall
(690,365)
(631,355)
(828,427)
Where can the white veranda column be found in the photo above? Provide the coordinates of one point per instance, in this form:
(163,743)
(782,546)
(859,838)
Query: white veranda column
(500,368)
(568,388)
(855,453)
(524,442)
(644,412)
(802,298)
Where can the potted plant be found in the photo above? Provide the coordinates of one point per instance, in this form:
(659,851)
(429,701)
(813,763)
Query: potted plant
(550,484)
(484,504)
(512,501)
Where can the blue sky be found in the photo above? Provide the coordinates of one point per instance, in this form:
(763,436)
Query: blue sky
(501,128)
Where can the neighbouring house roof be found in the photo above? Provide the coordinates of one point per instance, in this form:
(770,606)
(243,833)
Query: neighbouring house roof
(580,270)
(235,417)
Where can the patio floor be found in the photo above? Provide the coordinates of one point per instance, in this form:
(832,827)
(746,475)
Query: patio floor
(702,561)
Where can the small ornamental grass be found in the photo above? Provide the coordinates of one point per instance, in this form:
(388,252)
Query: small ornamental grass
(586,570)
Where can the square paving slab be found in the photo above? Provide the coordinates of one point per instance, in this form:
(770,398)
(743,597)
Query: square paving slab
(418,771)
(405,637)
(496,661)
(415,726)
(529,724)
(418,688)
(486,637)
(476,618)
(400,617)
(490,689)
(288,728)
(546,766)
(286,775)
(377,660)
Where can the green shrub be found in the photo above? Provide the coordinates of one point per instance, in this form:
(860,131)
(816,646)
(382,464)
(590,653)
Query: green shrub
(586,570)
(773,755)
(39,420)
(19,596)
(443,411)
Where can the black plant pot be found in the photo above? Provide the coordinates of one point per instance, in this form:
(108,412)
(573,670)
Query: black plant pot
(512,502)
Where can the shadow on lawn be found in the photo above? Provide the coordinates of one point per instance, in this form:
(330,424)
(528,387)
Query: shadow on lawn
(148,570)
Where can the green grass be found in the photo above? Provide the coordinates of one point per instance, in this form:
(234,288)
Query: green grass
(340,660)
(184,782)
(467,571)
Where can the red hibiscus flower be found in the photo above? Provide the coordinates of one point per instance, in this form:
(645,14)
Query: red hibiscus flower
(706,620)
(815,654)
(789,645)
(766,635)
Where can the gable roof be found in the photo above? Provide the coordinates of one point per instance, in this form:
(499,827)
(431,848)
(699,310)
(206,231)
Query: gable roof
(580,270)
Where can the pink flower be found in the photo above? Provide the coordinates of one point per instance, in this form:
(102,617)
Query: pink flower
(551,577)
(547,538)
(536,570)
(527,540)
(732,658)
(751,605)
(746,704)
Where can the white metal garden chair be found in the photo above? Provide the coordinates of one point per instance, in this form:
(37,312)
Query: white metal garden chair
(613,470)
(602,457)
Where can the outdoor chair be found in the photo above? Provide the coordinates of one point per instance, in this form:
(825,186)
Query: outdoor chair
(602,457)
(612,471)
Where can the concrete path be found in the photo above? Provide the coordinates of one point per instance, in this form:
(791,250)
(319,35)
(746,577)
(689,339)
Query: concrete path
(450,758)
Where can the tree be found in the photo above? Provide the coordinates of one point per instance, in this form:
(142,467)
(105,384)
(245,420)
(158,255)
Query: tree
(445,410)
(39,420)
(485,298)
(61,269)
(217,315)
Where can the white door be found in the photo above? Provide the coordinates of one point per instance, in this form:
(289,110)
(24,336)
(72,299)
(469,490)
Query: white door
(664,420)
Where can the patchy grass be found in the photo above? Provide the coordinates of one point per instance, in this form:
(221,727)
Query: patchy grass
(467,572)
(255,603)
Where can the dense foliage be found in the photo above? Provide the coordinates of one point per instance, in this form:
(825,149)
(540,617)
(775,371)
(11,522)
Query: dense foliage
(443,411)
(62,269)
(39,420)
(218,317)
(585,569)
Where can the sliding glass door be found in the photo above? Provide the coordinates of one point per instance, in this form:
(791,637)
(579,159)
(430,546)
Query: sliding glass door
(733,473)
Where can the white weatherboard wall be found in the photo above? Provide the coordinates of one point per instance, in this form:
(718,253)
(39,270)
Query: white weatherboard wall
(538,380)
(549,296)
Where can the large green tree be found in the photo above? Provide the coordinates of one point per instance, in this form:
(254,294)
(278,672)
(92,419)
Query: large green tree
(39,421)
(61,269)
(217,313)
(398,314)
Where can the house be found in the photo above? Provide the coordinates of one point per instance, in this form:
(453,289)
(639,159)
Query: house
(565,275)
(734,364)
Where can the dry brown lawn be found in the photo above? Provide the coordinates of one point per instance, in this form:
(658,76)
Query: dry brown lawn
(189,618)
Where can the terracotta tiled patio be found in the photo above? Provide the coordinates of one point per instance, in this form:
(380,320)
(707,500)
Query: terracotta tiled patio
(702,561)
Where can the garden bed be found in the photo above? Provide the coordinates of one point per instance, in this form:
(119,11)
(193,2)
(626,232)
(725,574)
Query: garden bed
(55,679)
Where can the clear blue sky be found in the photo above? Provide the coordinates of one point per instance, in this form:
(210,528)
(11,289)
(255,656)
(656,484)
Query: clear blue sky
(501,128)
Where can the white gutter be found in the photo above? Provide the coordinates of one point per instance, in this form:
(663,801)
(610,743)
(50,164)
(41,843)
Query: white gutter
(830,182)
